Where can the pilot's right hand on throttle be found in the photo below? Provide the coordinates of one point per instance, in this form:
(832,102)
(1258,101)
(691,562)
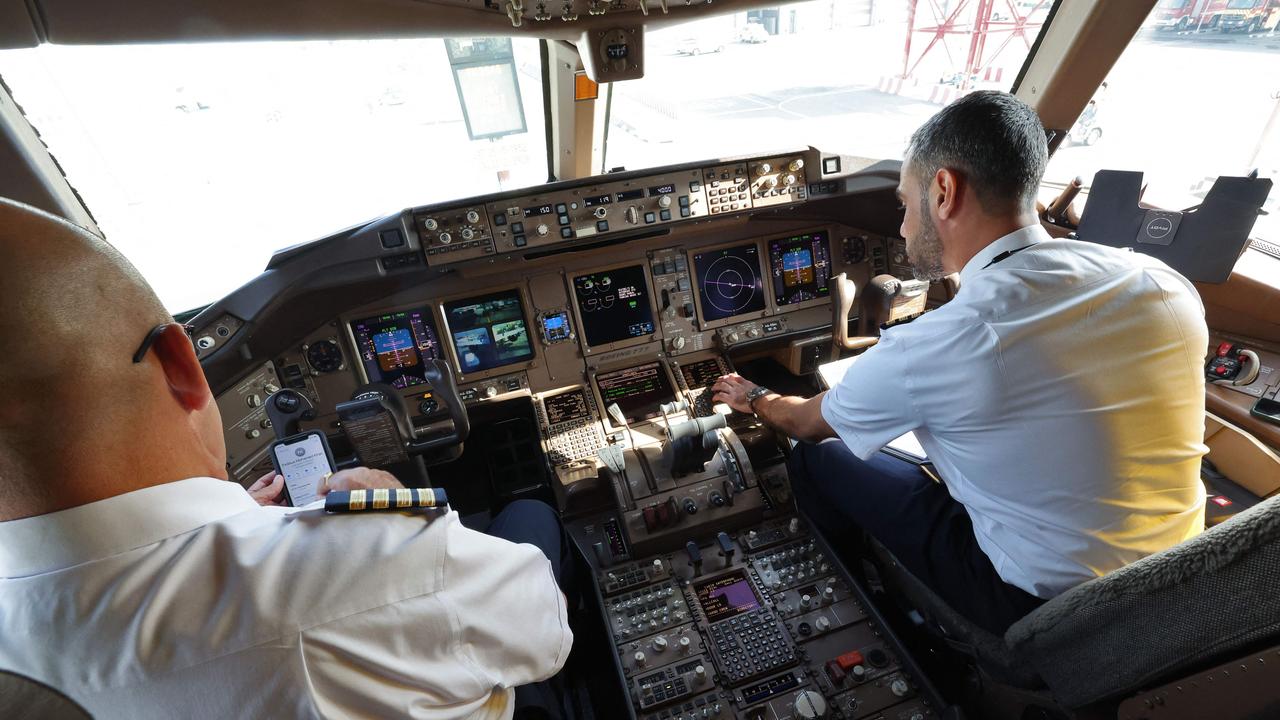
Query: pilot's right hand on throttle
(361,478)
(732,390)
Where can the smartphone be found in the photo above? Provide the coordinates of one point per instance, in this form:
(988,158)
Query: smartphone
(304,460)
(1268,410)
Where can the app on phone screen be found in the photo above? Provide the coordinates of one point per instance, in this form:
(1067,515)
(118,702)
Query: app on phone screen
(304,465)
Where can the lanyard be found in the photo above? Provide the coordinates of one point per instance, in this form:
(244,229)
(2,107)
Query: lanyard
(1005,256)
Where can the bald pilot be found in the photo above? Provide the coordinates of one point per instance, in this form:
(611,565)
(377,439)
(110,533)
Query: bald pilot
(140,582)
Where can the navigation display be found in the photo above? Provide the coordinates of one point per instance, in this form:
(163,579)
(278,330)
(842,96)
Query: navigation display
(566,406)
(727,596)
(638,391)
(392,346)
(701,374)
(729,281)
(800,266)
(488,331)
(614,305)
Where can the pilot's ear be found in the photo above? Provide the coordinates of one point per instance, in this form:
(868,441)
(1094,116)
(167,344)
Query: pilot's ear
(182,369)
(945,193)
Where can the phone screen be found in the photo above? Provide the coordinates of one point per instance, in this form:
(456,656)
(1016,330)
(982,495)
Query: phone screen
(304,465)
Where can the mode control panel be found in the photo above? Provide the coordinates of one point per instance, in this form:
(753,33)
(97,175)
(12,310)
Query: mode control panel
(559,216)
(494,387)
(455,234)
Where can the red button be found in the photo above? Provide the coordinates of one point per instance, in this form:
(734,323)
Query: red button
(849,659)
(1224,502)
(1223,349)
(1220,370)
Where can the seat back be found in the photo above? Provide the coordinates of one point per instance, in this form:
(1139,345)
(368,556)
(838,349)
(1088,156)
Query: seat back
(1173,611)
(22,698)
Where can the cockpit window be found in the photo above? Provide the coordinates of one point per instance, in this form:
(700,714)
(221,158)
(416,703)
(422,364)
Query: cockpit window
(850,77)
(1196,95)
(198,161)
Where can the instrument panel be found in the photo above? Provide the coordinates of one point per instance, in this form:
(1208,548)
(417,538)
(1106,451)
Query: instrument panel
(574,283)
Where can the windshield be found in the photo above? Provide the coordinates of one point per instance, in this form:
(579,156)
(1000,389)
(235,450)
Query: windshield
(823,73)
(1172,4)
(1241,4)
(198,161)
(1185,108)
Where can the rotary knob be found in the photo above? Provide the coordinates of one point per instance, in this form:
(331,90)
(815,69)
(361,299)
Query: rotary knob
(640,659)
(806,601)
(468,233)
(253,400)
(659,644)
(633,215)
(664,201)
(473,217)
(430,224)
(445,238)
(270,389)
(828,593)
(543,230)
(601,212)
(764,169)
(771,182)
(789,180)
(899,687)
(685,644)
(678,342)
(796,165)
(810,705)
(822,624)
(753,332)
(491,391)
(657,565)
(700,673)
(732,337)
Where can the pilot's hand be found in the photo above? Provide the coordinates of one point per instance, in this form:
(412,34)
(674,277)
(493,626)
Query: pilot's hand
(732,390)
(268,489)
(361,478)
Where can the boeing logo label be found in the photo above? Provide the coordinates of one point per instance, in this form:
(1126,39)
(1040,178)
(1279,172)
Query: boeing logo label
(1159,227)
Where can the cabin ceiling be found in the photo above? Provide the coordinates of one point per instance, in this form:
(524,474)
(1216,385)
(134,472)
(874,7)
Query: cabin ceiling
(27,23)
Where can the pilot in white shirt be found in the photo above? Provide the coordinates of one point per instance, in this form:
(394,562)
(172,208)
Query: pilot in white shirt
(1059,394)
(141,594)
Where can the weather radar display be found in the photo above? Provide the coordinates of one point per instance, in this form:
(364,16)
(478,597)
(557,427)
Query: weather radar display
(729,281)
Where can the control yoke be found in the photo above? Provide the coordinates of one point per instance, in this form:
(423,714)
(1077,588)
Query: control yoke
(376,420)
(886,299)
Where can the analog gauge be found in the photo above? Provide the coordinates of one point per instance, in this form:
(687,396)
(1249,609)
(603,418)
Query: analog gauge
(324,356)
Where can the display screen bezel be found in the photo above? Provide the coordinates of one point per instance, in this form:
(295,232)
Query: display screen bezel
(773,289)
(696,290)
(354,345)
(603,405)
(442,307)
(617,344)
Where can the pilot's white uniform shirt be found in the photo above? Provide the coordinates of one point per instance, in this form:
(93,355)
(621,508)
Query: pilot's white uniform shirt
(1060,396)
(189,600)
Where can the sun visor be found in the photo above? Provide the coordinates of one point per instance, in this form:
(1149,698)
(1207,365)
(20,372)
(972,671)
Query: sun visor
(1203,242)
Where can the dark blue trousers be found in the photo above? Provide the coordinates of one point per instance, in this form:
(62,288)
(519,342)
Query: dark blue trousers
(536,523)
(915,518)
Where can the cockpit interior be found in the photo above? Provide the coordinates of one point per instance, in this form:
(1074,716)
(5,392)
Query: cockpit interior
(555,339)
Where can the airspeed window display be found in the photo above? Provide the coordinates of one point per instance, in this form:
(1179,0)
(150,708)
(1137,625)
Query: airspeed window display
(488,331)
(800,266)
(614,305)
(392,346)
(729,282)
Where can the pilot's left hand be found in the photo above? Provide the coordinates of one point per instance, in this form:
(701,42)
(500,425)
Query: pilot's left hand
(359,478)
(268,489)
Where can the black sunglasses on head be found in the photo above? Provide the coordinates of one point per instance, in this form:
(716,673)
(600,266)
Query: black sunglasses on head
(156,332)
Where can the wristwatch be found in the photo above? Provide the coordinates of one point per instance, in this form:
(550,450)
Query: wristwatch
(756,393)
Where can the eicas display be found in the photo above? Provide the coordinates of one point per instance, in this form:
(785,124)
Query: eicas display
(614,305)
